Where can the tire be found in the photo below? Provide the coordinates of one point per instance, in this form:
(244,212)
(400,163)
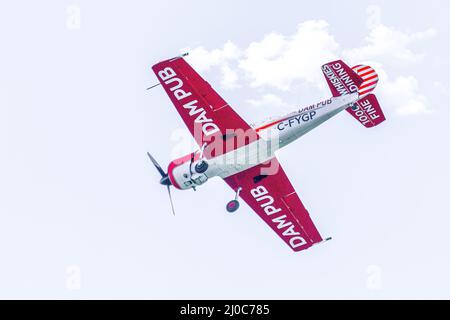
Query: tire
(232,206)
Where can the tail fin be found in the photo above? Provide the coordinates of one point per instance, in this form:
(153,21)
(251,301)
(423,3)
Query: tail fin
(341,78)
(363,79)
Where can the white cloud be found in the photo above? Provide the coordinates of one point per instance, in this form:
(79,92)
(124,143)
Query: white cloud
(387,43)
(229,77)
(404,94)
(373,16)
(202,59)
(384,45)
(280,61)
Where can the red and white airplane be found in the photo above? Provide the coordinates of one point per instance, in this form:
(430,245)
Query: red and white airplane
(243,155)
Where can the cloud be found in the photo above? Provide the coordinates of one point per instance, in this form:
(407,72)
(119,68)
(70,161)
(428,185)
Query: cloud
(404,94)
(280,61)
(268,100)
(388,43)
(203,60)
(229,77)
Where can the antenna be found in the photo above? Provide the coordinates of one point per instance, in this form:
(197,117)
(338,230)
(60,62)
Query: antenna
(151,87)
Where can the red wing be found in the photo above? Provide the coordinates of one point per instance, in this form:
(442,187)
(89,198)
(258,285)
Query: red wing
(274,199)
(208,117)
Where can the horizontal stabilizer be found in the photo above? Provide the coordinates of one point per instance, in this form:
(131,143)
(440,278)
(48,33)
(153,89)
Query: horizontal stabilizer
(367,111)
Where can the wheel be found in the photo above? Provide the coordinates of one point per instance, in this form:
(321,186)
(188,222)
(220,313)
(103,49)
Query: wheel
(201,167)
(232,206)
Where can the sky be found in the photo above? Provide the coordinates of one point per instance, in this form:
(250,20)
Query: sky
(82,213)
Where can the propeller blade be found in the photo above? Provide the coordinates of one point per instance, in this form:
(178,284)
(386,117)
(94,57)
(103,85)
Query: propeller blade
(164,180)
(170,198)
(156,164)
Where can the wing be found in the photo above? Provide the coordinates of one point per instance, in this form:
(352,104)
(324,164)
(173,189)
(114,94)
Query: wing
(208,117)
(274,199)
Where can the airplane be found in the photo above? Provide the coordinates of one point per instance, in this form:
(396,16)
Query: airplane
(244,155)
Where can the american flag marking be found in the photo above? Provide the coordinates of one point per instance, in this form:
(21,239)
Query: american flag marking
(369,76)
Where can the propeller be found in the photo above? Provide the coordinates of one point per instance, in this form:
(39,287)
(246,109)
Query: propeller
(165,181)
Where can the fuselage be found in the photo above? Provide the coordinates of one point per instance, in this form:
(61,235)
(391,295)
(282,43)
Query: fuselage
(273,135)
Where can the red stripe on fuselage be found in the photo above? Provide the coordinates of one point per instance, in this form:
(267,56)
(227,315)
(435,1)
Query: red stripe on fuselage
(270,124)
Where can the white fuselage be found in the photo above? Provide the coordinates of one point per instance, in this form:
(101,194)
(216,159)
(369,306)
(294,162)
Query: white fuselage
(274,135)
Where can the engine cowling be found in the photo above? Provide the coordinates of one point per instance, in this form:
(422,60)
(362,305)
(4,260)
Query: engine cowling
(182,173)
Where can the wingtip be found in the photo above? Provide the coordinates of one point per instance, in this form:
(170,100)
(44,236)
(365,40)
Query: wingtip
(323,241)
(180,56)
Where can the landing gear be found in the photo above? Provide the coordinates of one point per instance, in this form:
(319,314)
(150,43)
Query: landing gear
(233,205)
